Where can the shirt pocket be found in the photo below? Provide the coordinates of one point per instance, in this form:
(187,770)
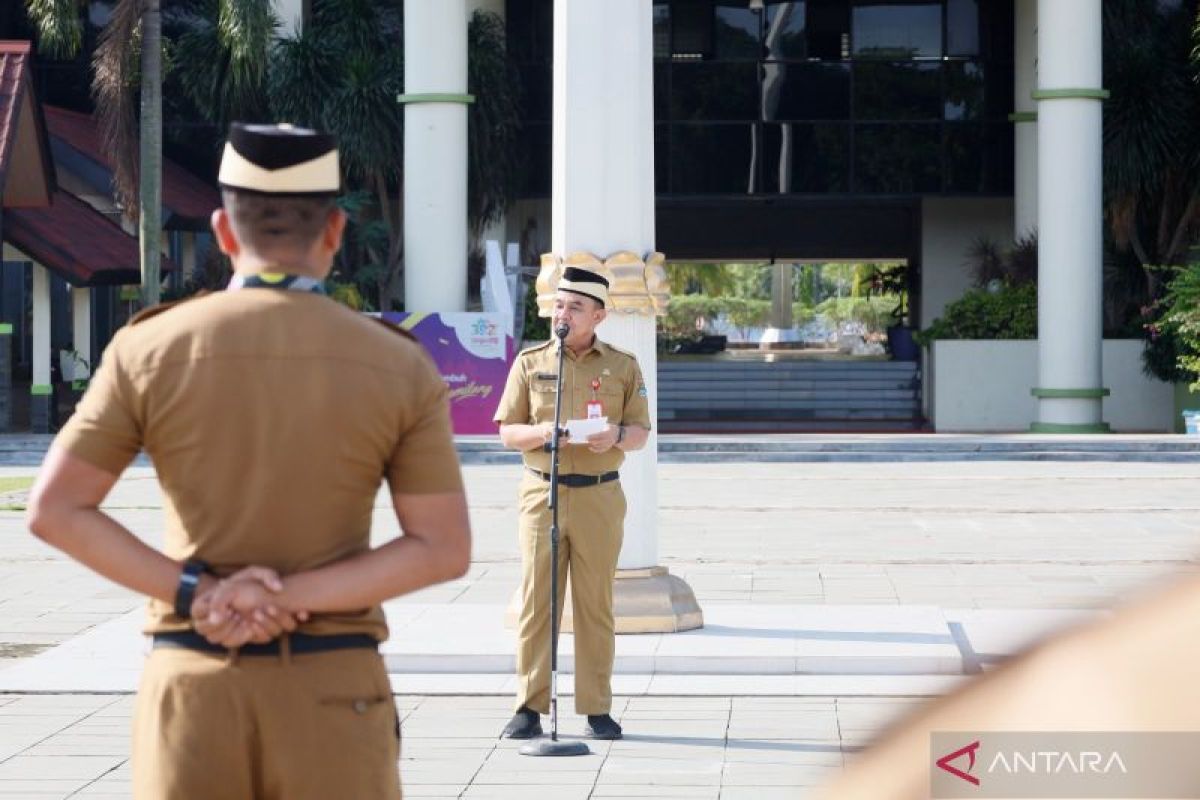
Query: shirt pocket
(541,401)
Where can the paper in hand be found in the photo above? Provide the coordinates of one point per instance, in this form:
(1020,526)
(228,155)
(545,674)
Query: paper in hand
(580,429)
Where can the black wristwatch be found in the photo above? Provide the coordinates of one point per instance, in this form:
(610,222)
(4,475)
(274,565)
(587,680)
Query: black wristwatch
(189,579)
(620,434)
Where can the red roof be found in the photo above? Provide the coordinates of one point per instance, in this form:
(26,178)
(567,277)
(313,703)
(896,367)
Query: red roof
(182,192)
(76,242)
(26,170)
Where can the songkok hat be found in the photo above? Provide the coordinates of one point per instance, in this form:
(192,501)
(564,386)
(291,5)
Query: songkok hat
(280,160)
(586,283)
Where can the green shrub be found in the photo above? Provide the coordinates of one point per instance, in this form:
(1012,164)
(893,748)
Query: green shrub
(1010,313)
(874,313)
(1178,331)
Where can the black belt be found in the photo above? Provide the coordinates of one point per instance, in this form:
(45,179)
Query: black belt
(576,481)
(297,643)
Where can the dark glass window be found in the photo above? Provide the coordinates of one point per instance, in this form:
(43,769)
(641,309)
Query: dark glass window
(662,96)
(784,33)
(996,30)
(691,30)
(662,158)
(965,91)
(979,158)
(1000,86)
(737,33)
(897,30)
(537,81)
(806,91)
(828,29)
(714,91)
(712,159)
(898,159)
(962,27)
(803,157)
(530,28)
(898,91)
(537,139)
(662,30)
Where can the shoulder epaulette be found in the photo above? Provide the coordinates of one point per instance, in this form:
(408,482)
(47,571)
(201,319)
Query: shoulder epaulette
(394,328)
(161,308)
(622,351)
(536,347)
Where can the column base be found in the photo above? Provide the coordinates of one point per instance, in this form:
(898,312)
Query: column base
(40,412)
(648,600)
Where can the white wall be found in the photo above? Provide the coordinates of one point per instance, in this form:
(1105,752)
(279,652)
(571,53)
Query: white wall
(978,386)
(949,226)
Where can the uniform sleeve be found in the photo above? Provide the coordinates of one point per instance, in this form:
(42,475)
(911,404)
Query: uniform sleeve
(424,460)
(105,430)
(514,403)
(637,405)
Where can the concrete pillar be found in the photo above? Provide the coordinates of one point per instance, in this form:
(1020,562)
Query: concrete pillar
(41,390)
(1025,119)
(603,203)
(1070,235)
(81,321)
(435,155)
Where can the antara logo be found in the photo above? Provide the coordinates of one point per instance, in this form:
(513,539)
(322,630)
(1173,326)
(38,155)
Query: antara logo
(969,751)
(1033,762)
(1054,762)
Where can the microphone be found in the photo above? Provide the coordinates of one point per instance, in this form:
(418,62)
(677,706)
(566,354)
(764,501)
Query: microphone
(562,330)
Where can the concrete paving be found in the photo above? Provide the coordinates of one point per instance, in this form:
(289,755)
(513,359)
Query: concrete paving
(994,548)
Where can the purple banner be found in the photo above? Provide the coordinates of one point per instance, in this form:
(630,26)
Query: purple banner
(473,351)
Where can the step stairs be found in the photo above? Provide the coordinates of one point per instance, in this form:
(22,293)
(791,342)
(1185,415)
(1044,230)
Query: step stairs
(735,396)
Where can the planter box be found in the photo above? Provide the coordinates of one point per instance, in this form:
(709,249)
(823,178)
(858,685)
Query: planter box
(979,385)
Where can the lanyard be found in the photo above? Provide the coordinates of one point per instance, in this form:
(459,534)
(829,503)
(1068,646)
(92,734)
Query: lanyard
(277,280)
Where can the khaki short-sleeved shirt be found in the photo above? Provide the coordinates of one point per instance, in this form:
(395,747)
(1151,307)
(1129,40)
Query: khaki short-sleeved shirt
(271,418)
(528,399)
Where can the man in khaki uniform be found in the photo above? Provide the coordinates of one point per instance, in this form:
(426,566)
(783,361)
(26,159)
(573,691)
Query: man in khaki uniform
(598,380)
(271,414)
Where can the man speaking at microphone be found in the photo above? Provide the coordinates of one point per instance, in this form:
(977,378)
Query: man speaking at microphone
(599,380)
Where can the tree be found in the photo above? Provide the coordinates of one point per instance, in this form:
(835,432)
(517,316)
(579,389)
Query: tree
(1151,132)
(129,54)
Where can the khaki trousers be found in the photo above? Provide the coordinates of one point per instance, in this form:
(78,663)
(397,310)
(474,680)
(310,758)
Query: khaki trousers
(591,524)
(318,725)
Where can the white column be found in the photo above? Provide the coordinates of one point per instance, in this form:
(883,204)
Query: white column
(41,388)
(603,193)
(435,155)
(81,322)
(41,326)
(291,17)
(1069,145)
(1025,119)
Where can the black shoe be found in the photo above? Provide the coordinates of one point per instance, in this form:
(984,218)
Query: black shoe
(525,724)
(602,726)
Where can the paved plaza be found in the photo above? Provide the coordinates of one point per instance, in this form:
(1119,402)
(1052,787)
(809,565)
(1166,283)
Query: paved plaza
(987,538)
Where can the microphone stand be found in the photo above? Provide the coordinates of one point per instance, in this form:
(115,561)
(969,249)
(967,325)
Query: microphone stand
(553,747)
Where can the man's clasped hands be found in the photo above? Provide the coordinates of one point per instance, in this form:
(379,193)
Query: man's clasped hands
(243,608)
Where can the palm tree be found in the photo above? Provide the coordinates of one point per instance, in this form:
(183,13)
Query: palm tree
(343,73)
(1151,135)
(121,62)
